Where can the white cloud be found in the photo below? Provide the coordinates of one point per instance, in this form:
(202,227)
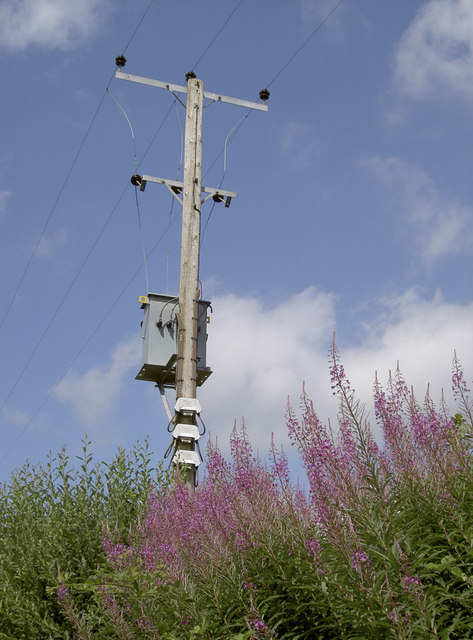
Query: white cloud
(436,51)
(436,227)
(260,355)
(93,394)
(50,24)
(4,195)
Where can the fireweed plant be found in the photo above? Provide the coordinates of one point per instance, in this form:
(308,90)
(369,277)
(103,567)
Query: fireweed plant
(380,545)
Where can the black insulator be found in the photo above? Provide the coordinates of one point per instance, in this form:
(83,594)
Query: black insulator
(264,95)
(189,75)
(217,198)
(176,189)
(136,180)
(120,61)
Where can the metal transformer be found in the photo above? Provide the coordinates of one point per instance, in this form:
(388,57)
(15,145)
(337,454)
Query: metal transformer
(159,333)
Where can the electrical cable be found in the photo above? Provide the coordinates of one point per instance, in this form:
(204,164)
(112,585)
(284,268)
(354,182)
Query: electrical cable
(48,219)
(228,137)
(237,127)
(78,272)
(66,180)
(234,131)
(137,202)
(319,26)
(83,347)
(137,27)
(216,35)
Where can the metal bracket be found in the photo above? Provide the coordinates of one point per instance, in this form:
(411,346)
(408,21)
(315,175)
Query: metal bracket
(165,401)
(176,188)
(176,88)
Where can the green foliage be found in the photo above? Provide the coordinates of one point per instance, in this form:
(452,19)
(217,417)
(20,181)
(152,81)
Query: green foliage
(380,548)
(51,530)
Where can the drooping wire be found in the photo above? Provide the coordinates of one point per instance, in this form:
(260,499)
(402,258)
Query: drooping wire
(66,180)
(306,41)
(81,350)
(78,272)
(229,137)
(135,161)
(217,34)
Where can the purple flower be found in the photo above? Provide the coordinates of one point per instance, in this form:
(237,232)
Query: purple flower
(62,593)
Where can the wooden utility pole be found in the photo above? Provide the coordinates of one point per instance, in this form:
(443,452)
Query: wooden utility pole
(187,407)
(186,365)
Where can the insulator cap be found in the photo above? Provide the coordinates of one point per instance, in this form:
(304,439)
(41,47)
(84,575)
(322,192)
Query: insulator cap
(189,75)
(120,61)
(136,180)
(264,95)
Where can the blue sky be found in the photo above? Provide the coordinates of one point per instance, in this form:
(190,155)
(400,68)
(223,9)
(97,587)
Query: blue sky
(353,211)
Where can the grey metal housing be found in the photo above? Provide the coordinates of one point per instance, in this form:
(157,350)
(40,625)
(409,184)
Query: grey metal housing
(159,333)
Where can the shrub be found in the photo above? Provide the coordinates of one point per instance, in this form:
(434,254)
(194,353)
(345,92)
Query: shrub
(51,522)
(378,547)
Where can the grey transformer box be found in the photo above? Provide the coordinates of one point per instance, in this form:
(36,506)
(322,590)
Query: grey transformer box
(159,333)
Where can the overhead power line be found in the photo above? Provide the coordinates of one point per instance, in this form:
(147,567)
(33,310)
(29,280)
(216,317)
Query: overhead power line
(66,180)
(306,41)
(217,34)
(83,347)
(77,274)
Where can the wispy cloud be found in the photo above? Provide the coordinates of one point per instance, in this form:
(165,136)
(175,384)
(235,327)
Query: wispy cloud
(436,226)
(15,417)
(92,395)
(50,24)
(4,195)
(50,243)
(299,142)
(436,51)
(313,9)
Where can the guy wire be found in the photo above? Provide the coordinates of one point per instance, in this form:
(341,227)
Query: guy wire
(136,188)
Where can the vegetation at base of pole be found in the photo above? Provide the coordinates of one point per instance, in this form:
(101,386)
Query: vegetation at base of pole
(52,519)
(377,546)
